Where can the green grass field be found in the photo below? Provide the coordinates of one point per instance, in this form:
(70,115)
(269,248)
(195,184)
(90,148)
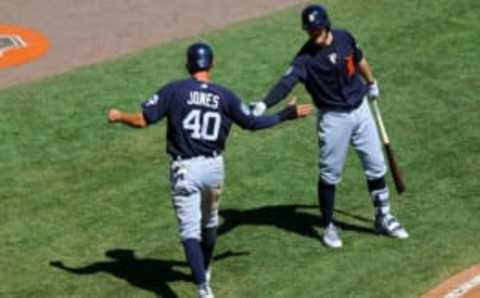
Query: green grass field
(74,188)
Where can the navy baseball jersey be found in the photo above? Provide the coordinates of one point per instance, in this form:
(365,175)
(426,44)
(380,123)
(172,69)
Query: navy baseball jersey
(329,74)
(200,115)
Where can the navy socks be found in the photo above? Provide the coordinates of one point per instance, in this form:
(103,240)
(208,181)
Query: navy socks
(194,255)
(209,237)
(326,199)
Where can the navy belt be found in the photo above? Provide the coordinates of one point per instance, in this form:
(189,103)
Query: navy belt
(207,155)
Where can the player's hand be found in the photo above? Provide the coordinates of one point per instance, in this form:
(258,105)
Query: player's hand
(373,91)
(114,115)
(257,108)
(303,110)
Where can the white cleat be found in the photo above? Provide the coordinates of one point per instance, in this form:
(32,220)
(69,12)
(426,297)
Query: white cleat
(208,275)
(204,291)
(389,225)
(331,237)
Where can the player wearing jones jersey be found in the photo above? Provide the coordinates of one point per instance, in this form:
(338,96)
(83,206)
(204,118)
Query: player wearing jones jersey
(199,116)
(334,71)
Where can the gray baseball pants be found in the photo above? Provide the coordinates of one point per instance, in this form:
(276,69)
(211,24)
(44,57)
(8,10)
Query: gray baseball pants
(337,130)
(196,188)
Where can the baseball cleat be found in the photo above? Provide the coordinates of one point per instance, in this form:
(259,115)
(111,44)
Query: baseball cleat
(204,291)
(331,237)
(389,225)
(208,275)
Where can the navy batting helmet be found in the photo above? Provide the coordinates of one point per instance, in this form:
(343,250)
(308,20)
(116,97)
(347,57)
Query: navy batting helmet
(199,57)
(314,17)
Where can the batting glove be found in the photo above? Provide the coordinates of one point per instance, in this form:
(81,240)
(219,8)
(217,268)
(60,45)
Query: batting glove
(373,91)
(258,108)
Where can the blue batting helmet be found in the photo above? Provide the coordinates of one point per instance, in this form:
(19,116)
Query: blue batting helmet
(199,57)
(314,17)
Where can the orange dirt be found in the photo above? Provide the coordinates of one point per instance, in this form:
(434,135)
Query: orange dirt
(473,293)
(465,284)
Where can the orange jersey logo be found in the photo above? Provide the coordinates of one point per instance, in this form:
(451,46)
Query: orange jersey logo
(20,45)
(350,65)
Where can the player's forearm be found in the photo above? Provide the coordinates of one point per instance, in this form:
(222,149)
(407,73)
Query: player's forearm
(366,71)
(131,119)
(267,121)
(280,91)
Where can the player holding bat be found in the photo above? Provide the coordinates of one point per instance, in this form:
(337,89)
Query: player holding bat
(340,81)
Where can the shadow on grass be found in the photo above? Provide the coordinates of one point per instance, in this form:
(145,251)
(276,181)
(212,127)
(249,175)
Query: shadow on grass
(148,274)
(354,216)
(292,218)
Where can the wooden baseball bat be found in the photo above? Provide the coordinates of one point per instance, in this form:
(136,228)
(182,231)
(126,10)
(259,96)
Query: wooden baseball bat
(392,161)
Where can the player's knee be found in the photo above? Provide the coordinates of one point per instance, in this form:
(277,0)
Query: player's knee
(330,173)
(212,221)
(190,234)
(376,172)
(210,218)
(213,198)
(190,229)
(330,178)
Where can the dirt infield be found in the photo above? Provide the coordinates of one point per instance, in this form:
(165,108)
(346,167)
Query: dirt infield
(89,31)
(465,284)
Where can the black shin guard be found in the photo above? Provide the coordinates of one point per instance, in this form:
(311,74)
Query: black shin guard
(376,184)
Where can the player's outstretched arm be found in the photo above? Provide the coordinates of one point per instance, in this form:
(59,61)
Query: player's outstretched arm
(247,120)
(290,112)
(93,268)
(278,92)
(132,119)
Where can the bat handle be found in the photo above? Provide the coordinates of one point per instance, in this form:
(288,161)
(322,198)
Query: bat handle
(378,116)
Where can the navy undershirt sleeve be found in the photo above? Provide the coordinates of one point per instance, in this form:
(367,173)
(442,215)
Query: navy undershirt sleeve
(295,73)
(284,86)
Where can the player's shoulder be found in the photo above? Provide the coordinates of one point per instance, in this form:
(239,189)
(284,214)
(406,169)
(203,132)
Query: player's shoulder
(307,49)
(221,89)
(342,34)
(170,87)
(178,84)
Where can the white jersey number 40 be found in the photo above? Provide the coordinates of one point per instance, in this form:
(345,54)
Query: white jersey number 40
(204,126)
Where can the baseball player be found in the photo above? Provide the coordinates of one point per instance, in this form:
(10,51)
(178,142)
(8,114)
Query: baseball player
(340,81)
(199,116)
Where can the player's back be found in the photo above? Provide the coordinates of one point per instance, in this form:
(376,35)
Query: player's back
(196,111)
